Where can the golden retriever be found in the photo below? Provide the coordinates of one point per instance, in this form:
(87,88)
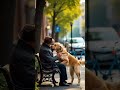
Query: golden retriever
(69,60)
(92,82)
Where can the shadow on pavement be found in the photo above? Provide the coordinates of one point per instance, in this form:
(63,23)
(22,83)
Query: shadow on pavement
(49,87)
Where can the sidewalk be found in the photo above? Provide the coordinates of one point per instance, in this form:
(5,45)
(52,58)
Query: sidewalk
(47,86)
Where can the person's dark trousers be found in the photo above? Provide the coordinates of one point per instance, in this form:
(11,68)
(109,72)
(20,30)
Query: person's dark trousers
(63,74)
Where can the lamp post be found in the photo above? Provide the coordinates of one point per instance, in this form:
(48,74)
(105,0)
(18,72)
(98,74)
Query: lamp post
(71,34)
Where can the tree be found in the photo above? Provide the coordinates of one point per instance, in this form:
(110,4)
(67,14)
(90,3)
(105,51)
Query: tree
(67,17)
(61,12)
(40,4)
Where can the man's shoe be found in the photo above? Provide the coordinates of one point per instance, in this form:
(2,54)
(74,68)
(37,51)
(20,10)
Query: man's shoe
(56,82)
(68,83)
(63,84)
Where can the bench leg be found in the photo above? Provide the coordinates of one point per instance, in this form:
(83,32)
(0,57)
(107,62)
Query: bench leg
(53,79)
(41,77)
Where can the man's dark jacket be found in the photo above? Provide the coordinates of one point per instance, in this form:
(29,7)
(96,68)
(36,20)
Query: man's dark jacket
(46,54)
(22,67)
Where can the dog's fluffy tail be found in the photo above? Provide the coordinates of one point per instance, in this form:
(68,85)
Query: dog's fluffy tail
(81,62)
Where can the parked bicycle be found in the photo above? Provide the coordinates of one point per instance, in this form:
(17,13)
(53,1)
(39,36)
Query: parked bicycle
(106,73)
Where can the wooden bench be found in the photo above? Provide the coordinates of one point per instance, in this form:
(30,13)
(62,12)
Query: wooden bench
(47,72)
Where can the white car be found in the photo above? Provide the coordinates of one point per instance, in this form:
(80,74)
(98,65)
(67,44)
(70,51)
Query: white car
(78,44)
(103,40)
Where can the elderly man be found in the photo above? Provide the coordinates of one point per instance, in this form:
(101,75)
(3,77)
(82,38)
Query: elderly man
(46,56)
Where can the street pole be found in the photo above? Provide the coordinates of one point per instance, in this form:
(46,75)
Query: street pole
(71,34)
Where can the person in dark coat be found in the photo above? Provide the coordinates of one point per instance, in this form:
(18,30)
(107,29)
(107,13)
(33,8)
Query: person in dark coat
(22,66)
(46,56)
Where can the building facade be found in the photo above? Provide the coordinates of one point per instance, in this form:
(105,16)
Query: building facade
(25,14)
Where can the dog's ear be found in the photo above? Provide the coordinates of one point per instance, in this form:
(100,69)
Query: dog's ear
(61,49)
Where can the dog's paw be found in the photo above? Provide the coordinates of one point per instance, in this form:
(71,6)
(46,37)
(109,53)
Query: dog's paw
(80,88)
(78,84)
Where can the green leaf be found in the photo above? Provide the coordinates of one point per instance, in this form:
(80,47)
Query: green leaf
(65,11)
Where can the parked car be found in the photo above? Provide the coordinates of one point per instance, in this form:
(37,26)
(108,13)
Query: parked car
(102,41)
(78,44)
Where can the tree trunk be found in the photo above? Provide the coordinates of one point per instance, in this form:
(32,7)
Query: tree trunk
(53,20)
(56,37)
(53,26)
(40,4)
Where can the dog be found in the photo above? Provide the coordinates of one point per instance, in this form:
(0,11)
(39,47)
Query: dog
(113,86)
(68,60)
(92,82)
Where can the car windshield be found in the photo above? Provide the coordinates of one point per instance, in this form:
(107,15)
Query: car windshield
(76,40)
(93,36)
